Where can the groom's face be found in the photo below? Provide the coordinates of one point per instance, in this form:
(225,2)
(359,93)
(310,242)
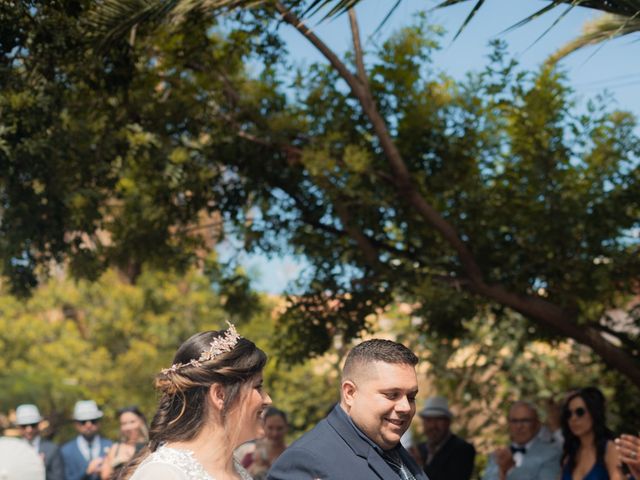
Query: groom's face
(381,401)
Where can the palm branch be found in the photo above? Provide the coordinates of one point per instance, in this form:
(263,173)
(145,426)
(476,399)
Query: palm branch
(111,20)
(599,30)
(622,17)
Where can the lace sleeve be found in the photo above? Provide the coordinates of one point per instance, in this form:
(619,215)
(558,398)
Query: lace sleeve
(158,471)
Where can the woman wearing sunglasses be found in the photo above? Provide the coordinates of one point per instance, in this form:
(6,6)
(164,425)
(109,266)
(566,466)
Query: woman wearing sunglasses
(589,452)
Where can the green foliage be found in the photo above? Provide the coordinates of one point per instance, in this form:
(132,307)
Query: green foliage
(113,158)
(107,339)
(103,340)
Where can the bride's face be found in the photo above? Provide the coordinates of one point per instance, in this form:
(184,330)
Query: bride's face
(249,415)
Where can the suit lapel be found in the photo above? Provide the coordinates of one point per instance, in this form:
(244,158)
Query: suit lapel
(378,465)
(346,431)
(363,449)
(411,464)
(358,445)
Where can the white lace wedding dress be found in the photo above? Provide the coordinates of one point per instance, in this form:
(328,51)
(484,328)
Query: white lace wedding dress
(171,464)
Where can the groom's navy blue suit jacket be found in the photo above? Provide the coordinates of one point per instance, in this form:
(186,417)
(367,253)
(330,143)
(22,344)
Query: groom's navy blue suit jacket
(335,450)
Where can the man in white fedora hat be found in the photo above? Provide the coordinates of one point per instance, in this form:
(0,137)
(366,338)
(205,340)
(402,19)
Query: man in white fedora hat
(445,456)
(28,420)
(83,456)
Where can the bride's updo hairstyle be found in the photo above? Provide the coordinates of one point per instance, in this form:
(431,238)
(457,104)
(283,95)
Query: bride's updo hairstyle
(204,359)
(182,407)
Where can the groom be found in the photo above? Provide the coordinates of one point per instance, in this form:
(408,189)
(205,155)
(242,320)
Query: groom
(360,439)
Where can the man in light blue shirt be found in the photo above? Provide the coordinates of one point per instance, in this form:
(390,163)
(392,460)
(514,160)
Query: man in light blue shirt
(529,457)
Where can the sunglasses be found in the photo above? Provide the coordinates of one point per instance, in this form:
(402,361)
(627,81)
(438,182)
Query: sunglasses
(30,425)
(92,422)
(578,412)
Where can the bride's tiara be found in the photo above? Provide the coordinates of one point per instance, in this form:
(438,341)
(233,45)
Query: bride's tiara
(221,344)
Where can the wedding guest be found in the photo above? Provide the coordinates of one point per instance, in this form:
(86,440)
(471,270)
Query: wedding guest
(83,456)
(445,456)
(589,451)
(28,419)
(528,457)
(270,447)
(134,435)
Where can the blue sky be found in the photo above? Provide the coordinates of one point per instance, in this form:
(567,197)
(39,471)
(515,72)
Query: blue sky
(590,71)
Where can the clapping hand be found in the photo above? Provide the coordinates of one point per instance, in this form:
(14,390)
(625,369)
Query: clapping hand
(629,450)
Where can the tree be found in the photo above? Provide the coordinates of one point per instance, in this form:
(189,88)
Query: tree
(107,339)
(103,340)
(82,179)
(396,182)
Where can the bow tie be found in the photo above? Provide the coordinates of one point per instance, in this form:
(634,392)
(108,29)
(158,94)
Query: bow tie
(515,449)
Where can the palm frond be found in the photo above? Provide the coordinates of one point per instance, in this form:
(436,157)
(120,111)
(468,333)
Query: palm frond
(341,6)
(533,16)
(601,29)
(474,10)
(387,17)
(627,8)
(555,22)
(112,20)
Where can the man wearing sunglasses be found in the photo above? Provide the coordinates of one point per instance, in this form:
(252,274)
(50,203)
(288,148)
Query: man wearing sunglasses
(530,456)
(83,456)
(28,420)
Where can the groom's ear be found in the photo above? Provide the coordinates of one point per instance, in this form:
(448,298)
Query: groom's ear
(348,391)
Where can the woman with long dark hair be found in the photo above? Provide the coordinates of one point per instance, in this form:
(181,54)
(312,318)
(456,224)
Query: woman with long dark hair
(211,401)
(589,452)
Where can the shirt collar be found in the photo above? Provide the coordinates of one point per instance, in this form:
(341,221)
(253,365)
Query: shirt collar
(527,445)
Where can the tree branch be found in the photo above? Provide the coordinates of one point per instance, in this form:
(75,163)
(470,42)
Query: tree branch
(533,307)
(357,48)
(405,187)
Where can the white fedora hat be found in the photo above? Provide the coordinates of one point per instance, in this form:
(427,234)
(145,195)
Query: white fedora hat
(86,410)
(27,414)
(436,407)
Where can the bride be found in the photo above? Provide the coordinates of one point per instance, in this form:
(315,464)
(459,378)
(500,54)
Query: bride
(211,402)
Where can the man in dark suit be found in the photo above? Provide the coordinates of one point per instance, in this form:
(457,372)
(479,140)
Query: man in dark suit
(360,438)
(445,456)
(83,456)
(28,420)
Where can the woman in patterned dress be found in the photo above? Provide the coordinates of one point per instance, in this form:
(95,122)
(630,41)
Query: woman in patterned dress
(211,402)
